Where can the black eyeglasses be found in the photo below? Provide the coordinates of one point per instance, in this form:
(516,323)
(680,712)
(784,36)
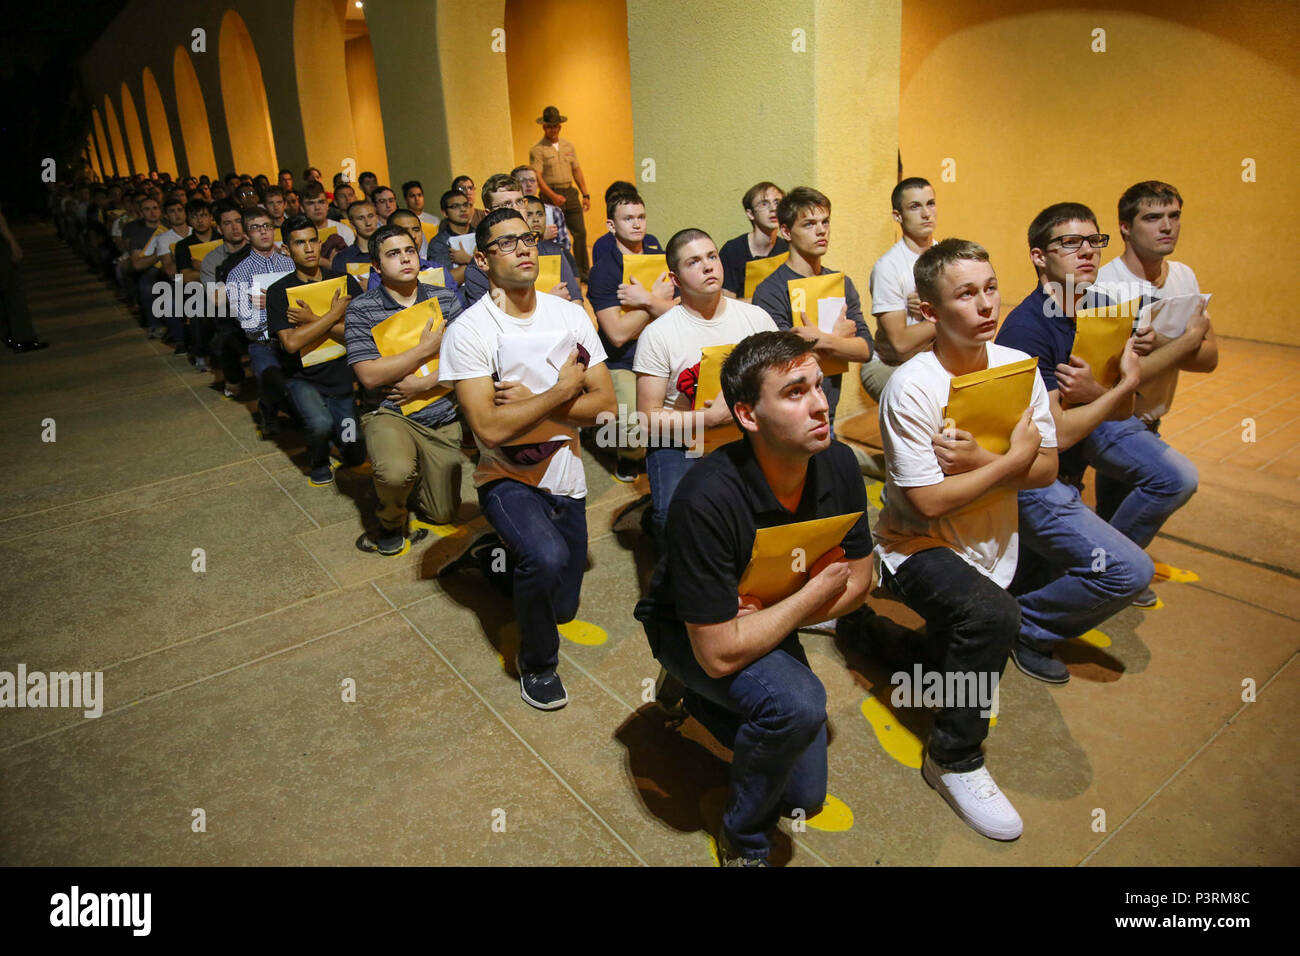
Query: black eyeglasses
(1074,243)
(506,244)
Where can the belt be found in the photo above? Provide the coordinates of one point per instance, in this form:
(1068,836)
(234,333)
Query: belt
(567,185)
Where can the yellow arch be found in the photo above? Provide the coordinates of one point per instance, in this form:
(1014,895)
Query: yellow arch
(322,85)
(195,132)
(367,120)
(134,135)
(120,160)
(97,141)
(247,116)
(159,132)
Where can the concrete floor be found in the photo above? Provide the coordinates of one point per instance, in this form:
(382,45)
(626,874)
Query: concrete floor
(224,688)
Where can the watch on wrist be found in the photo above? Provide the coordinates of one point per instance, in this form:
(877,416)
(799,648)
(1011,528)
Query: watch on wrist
(586,195)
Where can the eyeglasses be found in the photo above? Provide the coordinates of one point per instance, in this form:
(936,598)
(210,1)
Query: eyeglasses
(259,227)
(457,205)
(506,244)
(767,204)
(519,203)
(1073,243)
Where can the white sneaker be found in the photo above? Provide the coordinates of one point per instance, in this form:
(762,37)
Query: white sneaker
(977,799)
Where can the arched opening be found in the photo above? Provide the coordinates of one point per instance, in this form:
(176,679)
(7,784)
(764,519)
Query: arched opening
(120,160)
(320,66)
(134,134)
(159,131)
(248,118)
(363,95)
(195,133)
(102,157)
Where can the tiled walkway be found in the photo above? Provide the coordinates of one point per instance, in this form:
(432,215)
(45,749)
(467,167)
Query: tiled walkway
(225,687)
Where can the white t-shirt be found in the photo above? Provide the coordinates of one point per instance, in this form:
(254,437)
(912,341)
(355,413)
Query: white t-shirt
(673,343)
(161,244)
(891,283)
(347,232)
(484,342)
(986,532)
(430,218)
(1154,396)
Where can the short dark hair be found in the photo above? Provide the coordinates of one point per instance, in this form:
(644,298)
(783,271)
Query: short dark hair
(223,206)
(448,196)
(409,185)
(798,200)
(294,224)
(1040,230)
(306,173)
(484,231)
(383,189)
(358,202)
(383,234)
(285,170)
(911,182)
(742,372)
(618,186)
(928,269)
(313,190)
(756,190)
(1152,190)
(173,201)
(255,212)
(623,198)
(537,199)
(672,251)
(196,206)
(272,191)
(498,182)
(461,179)
(368,173)
(405,213)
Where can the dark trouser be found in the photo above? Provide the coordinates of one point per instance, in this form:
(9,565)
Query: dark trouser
(227,347)
(13,301)
(548,534)
(264,357)
(144,286)
(772,714)
(971,624)
(665,467)
(577,227)
(325,417)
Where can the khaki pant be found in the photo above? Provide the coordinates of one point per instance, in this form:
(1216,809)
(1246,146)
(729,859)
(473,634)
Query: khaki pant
(874,375)
(406,454)
(625,396)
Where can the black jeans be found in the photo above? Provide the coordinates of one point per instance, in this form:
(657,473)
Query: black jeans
(971,624)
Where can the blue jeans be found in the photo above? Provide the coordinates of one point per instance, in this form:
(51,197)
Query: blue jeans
(548,534)
(772,714)
(970,625)
(264,357)
(1141,481)
(665,467)
(1097,570)
(325,416)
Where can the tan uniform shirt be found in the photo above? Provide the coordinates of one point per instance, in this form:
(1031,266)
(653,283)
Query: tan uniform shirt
(555,161)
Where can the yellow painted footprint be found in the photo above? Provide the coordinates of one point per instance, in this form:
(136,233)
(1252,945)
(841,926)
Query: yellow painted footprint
(441,530)
(897,741)
(874,491)
(1167,572)
(579,632)
(1096,638)
(834,816)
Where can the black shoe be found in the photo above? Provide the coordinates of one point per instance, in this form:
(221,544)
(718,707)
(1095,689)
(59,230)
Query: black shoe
(626,470)
(1035,658)
(543,690)
(669,692)
(1146,599)
(730,856)
(31,345)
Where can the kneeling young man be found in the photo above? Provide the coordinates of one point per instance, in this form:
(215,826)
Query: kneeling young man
(746,674)
(529,371)
(424,446)
(947,537)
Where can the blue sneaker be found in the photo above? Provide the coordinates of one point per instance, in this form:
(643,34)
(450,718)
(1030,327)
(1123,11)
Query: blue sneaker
(1036,659)
(543,690)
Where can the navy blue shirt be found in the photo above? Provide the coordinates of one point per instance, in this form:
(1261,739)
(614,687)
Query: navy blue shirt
(735,253)
(773,297)
(607,244)
(602,290)
(1049,337)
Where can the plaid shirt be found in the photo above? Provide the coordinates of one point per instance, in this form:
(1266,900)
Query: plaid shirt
(368,310)
(251,320)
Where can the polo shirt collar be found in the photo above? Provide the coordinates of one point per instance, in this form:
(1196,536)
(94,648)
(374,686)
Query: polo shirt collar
(762,500)
(392,305)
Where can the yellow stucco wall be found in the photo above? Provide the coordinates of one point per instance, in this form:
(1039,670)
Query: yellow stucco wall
(1013,93)
(476,96)
(322,86)
(159,130)
(195,133)
(244,98)
(120,158)
(134,135)
(367,120)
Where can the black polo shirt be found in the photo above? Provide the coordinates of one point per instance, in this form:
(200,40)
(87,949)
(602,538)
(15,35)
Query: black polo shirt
(714,516)
(333,378)
(735,254)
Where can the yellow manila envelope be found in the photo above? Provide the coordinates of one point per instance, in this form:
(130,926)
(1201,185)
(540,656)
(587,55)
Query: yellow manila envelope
(756,270)
(781,557)
(318,296)
(548,273)
(359,271)
(804,294)
(707,387)
(323,234)
(1099,337)
(433,276)
(402,331)
(199,250)
(276,236)
(645,268)
(989,403)
(429,230)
